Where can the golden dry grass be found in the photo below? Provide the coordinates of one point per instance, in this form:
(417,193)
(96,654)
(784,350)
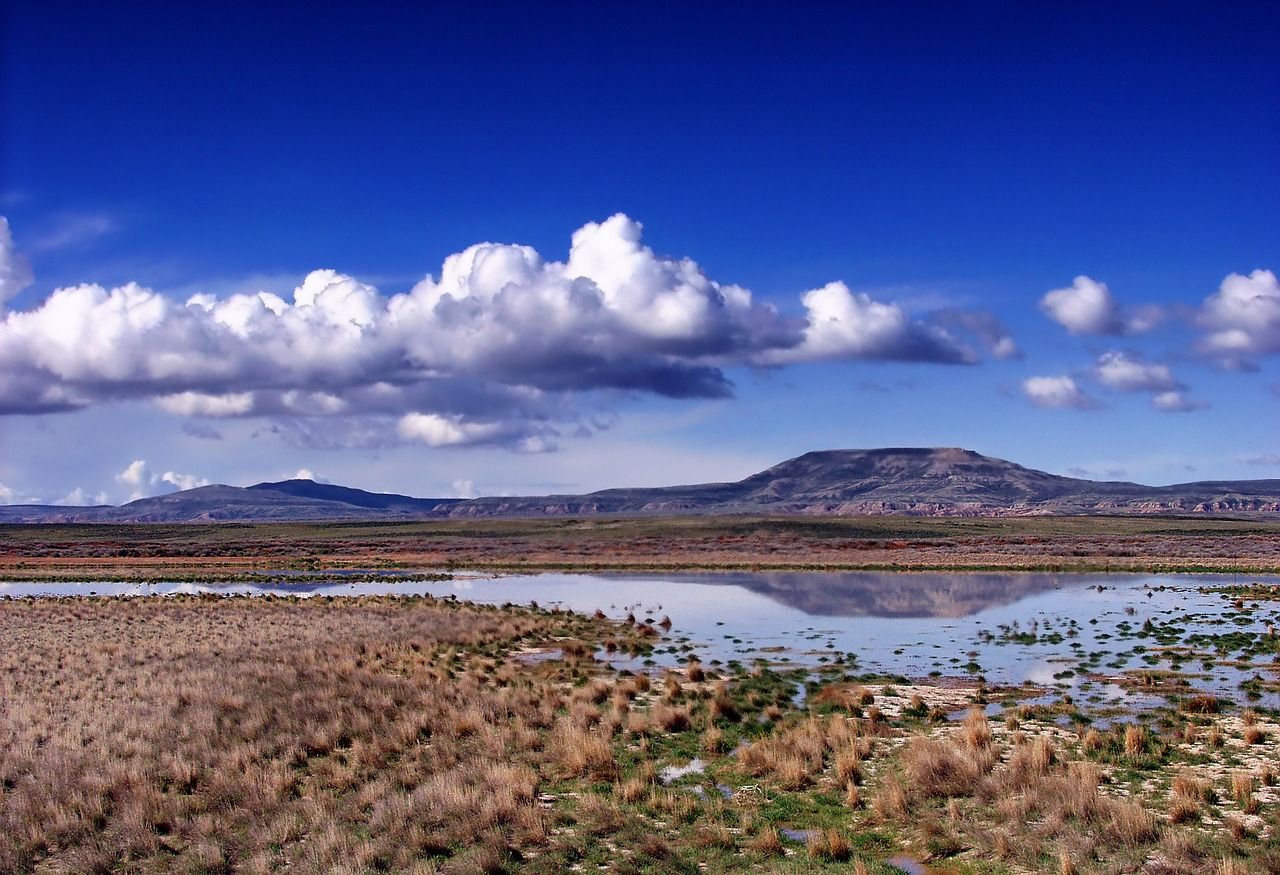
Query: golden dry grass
(202,734)
(209,734)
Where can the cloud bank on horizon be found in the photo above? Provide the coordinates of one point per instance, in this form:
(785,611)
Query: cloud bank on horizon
(495,351)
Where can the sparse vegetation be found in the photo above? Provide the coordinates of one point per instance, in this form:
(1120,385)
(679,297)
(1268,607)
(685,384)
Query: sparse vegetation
(229,551)
(371,734)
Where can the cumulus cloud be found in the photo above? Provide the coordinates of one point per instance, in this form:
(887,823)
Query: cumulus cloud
(1084,307)
(9,495)
(440,431)
(1087,307)
(15,270)
(1128,373)
(134,475)
(1056,392)
(183,481)
(464,489)
(1175,402)
(1242,318)
(843,324)
(142,483)
(79,498)
(989,330)
(497,349)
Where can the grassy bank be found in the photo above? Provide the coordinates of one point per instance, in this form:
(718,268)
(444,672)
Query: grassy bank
(204,734)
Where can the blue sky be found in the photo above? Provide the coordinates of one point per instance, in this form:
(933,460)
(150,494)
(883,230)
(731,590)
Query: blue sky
(507,249)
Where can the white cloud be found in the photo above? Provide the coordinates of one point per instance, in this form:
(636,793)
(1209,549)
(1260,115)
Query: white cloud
(1087,307)
(143,483)
(73,230)
(440,431)
(989,330)
(843,324)
(183,481)
(79,498)
(497,349)
(1175,402)
(1243,317)
(9,495)
(1084,307)
(304,474)
(1126,373)
(1056,392)
(201,404)
(15,270)
(135,477)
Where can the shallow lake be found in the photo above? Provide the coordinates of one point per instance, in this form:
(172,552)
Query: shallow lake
(1102,638)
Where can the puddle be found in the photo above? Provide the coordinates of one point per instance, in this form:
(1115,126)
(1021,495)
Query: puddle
(796,835)
(908,865)
(670,774)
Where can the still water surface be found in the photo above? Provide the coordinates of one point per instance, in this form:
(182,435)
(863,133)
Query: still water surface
(1072,633)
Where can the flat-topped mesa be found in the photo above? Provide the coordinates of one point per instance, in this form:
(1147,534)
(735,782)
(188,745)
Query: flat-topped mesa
(910,475)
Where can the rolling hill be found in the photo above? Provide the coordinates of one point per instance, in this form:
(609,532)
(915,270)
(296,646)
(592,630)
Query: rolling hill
(907,481)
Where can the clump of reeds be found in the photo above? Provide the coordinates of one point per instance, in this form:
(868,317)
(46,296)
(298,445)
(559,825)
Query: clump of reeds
(935,768)
(1243,785)
(975,731)
(672,718)
(828,844)
(1202,703)
(767,842)
(1136,740)
(1189,797)
(890,800)
(1031,761)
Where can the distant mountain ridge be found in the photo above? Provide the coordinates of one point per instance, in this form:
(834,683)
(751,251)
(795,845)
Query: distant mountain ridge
(899,480)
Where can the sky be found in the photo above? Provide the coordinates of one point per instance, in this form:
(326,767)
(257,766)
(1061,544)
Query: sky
(512,248)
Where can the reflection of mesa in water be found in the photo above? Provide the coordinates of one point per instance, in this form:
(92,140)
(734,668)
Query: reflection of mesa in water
(894,594)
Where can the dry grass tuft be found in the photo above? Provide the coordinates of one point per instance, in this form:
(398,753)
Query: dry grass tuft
(1233,866)
(829,845)
(1136,740)
(936,768)
(767,842)
(671,718)
(890,800)
(1204,703)
(1031,761)
(1093,742)
(1243,785)
(975,731)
